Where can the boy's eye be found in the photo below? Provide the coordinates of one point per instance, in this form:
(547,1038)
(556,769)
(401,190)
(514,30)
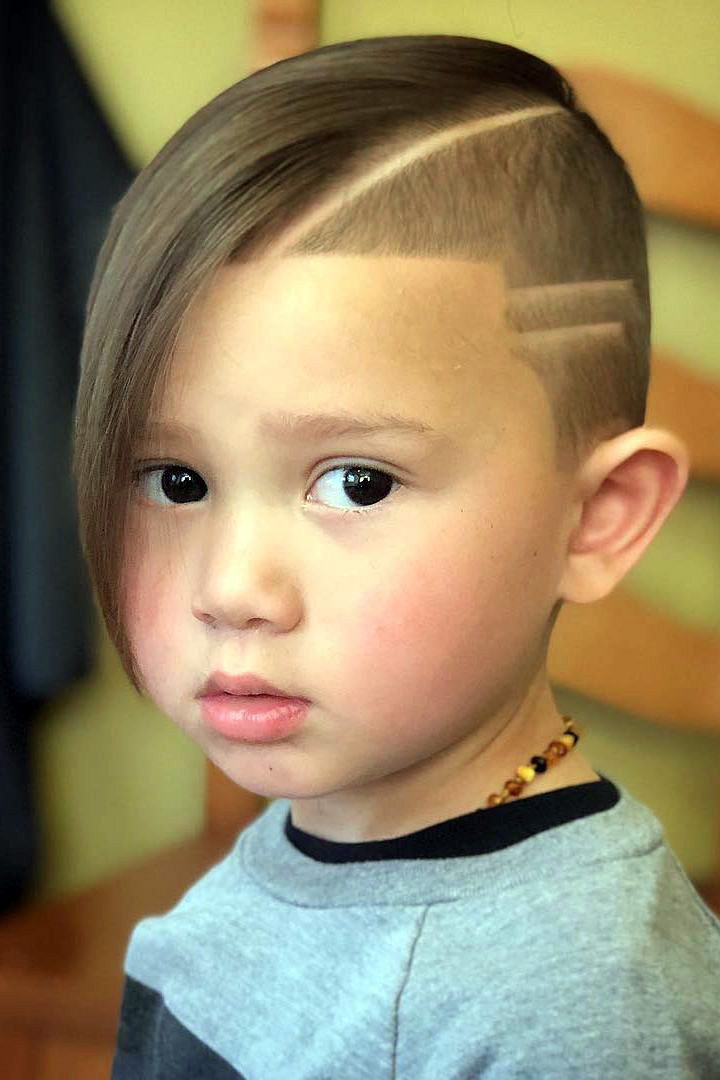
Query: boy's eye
(174,483)
(361,484)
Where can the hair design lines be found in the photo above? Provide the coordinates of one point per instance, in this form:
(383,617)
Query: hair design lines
(576,304)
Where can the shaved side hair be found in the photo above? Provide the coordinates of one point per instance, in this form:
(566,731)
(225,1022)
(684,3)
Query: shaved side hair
(466,192)
(416,146)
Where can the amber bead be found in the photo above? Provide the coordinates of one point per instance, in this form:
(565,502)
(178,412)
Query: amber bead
(556,750)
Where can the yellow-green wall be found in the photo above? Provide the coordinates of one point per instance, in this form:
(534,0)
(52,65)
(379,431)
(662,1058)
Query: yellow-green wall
(674,44)
(153,63)
(115,780)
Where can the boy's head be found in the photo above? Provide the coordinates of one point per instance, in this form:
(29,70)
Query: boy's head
(421,226)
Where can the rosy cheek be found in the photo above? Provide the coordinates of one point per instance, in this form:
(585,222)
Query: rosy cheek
(144,611)
(440,635)
(407,634)
(149,620)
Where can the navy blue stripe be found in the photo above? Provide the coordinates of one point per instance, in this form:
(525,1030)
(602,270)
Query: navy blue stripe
(153,1045)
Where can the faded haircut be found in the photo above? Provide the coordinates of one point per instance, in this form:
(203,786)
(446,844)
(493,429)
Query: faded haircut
(413,146)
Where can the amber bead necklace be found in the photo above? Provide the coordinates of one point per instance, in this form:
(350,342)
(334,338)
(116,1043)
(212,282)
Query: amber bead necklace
(550,756)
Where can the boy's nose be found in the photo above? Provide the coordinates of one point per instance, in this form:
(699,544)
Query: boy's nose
(245,579)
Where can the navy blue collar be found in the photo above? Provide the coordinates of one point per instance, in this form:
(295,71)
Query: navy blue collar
(476,833)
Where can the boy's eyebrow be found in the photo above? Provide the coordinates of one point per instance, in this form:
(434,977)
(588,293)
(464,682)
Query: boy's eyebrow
(299,427)
(304,427)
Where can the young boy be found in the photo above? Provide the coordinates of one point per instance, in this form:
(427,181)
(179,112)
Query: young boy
(362,405)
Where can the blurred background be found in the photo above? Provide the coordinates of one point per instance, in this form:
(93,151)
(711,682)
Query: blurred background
(94,779)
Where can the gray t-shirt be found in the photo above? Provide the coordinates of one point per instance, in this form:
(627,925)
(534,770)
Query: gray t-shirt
(554,937)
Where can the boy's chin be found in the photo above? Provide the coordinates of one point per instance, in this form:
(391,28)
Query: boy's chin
(266,779)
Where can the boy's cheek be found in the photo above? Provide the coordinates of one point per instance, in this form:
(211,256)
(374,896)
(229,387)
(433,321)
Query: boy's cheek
(442,624)
(150,621)
(410,633)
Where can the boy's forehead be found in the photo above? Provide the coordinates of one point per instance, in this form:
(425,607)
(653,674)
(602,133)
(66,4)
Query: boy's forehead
(449,339)
(355,333)
(402,297)
(403,310)
(308,288)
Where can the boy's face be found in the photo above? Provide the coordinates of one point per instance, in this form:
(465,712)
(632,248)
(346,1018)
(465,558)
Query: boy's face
(415,623)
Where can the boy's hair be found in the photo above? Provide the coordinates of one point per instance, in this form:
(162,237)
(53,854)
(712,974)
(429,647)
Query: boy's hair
(417,146)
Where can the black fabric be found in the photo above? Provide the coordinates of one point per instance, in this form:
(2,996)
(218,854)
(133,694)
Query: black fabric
(153,1045)
(476,833)
(60,174)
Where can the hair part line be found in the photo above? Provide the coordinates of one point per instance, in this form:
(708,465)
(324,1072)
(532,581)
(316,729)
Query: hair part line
(425,147)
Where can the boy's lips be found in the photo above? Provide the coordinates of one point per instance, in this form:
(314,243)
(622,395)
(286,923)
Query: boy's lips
(247,685)
(246,708)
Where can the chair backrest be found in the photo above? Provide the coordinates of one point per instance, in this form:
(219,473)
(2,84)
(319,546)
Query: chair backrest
(227,806)
(671,146)
(283,28)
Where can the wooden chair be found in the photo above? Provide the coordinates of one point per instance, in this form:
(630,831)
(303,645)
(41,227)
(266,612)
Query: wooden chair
(671,145)
(61,962)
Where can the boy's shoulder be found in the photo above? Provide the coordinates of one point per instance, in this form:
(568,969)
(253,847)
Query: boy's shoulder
(606,971)
(636,917)
(621,922)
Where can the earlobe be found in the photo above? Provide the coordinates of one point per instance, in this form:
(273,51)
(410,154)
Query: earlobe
(626,490)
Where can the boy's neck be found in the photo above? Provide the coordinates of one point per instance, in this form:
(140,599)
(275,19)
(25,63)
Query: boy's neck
(451,784)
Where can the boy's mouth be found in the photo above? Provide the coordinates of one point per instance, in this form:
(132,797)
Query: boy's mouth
(247,709)
(246,685)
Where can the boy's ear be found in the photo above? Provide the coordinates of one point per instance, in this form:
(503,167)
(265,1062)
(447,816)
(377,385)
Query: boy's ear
(624,492)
